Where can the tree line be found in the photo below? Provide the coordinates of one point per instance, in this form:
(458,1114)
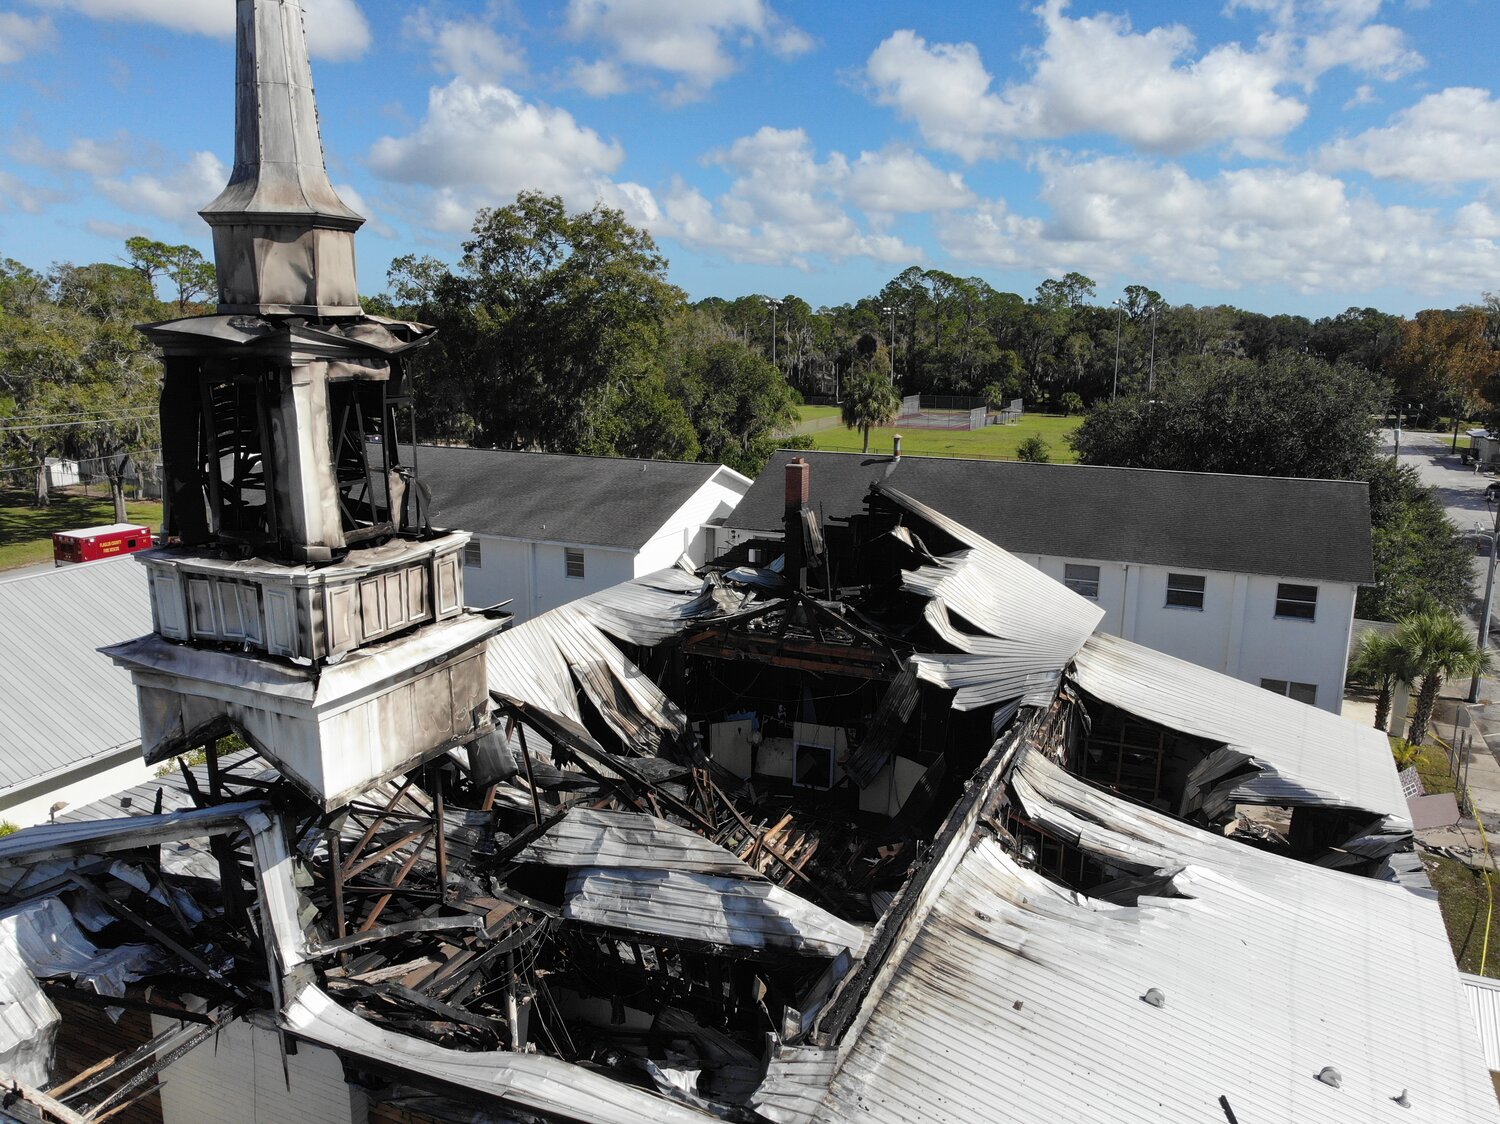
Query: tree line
(561,331)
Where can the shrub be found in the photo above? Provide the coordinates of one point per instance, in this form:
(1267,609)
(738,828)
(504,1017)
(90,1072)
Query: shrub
(1034,449)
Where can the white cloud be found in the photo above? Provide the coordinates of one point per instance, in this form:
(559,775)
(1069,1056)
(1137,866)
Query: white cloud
(89,155)
(1253,227)
(469,47)
(599,79)
(1449,137)
(479,144)
(176,196)
(373,222)
(336,29)
(1156,89)
(899,181)
(29,198)
(19,36)
(785,207)
(691,41)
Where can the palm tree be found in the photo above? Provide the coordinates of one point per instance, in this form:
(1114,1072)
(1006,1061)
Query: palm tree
(1381,658)
(870,401)
(1439,647)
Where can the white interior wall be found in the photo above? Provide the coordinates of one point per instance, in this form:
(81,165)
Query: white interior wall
(235,1077)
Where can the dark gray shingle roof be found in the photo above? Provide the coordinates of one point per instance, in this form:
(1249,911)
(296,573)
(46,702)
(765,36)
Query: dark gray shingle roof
(1317,529)
(594,501)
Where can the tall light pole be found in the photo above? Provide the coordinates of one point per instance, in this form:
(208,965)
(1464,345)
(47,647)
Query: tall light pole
(1119,311)
(1151,370)
(890,311)
(773,304)
(1489,600)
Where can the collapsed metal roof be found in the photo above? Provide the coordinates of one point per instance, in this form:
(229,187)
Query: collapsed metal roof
(992,939)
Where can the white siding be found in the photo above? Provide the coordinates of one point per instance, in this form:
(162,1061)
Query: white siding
(533,575)
(1236,632)
(687,531)
(235,1077)
(81,784)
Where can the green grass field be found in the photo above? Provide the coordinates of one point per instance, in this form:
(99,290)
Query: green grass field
(814,413)
(26,531)
(996,441)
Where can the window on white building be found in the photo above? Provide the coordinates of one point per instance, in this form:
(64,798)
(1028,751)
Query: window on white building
(1302,692)
(1299,601)
(573,562)
(1082,580)
(1185,591)
(473,555)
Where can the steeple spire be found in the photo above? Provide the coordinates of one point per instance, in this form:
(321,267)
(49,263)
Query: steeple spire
(283,240)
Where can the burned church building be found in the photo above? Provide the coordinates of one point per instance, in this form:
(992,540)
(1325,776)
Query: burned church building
(866,823)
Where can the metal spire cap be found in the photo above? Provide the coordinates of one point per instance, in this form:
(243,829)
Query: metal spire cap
(283,239)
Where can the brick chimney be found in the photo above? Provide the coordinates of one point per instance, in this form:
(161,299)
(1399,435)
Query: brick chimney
(798,493)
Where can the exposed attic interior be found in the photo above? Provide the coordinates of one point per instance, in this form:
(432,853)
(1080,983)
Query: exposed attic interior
(710,807)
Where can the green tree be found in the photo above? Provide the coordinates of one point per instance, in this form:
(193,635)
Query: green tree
(546,324)
(183,267)
(1439,647)
(75,377)
(1420,557)
(1034,449)
(1071,403)
(736,402)
(870,400)
(1292,415)
(1382,660)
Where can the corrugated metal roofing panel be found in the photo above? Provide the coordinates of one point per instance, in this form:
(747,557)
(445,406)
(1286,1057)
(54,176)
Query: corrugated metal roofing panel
(536,662)
(703,907)
(604,837)
(1019,1001)
(64,702)
(1484,1001)
(28,1024)
(998,594)
(1305,754)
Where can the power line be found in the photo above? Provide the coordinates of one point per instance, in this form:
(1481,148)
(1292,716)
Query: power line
(75,424)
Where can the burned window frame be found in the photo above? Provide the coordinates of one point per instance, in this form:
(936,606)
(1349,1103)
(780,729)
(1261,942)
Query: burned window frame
(352,430)
(226,497)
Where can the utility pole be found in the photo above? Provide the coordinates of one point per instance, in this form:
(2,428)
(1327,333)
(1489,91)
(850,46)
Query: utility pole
(1119,311)
(1151,370)
(1489,600)
(890,311)
(773,304)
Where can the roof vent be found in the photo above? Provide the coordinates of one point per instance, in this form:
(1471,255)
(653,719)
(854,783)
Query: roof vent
(1330,1076)
(1155,997)
(1403,1100)
(897,444)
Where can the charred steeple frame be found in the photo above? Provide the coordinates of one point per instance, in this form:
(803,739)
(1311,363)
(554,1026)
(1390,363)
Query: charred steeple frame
(297,540)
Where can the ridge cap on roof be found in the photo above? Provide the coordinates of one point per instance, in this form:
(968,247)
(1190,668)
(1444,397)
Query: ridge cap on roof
(887,457)
(712,465)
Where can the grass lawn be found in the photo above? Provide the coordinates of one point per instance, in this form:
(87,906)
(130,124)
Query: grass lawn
(813,413)
(997,441)
(26,531)
(1465,904)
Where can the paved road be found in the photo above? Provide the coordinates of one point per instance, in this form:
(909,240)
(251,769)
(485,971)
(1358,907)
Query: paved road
(1460,488)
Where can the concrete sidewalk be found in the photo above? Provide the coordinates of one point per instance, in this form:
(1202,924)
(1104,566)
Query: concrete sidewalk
(1463,841)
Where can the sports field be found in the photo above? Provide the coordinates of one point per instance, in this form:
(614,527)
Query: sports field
(992,441)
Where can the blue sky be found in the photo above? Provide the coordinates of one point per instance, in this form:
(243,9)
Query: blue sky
(1281,155)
